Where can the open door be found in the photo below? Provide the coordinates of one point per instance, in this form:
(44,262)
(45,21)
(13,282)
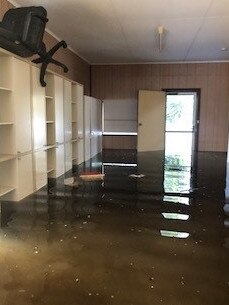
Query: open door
(151,120)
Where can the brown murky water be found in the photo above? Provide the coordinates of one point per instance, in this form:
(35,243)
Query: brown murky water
(161,239)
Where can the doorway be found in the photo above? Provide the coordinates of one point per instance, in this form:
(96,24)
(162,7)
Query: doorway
(181,139)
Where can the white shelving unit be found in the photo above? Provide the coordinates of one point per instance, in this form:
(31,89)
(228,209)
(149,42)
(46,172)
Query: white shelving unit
(41,129)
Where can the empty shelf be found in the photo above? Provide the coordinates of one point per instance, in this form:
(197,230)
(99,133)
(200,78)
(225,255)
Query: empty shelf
(6,123)
(5,190)
(4,158)
(50,170)
(5,89)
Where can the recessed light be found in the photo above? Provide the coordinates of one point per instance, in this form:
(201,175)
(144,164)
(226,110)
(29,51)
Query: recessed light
(223,49)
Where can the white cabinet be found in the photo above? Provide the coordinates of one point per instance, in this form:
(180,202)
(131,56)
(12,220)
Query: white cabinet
(21,95)
(68,125)
(80,123)
(92,127)
(67,111)
(59,108)
(96,127)
(60,169)
(39,110)
(40,162)
(24,177)
(68,156)
(16,172)
(42,132)
(87,128)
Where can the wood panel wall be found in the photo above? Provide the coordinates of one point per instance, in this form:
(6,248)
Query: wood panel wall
(123,82)
(79,69)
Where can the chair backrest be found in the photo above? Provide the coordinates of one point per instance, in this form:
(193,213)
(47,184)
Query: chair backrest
(28,23)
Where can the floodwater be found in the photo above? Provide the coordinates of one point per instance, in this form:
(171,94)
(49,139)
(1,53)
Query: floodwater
(159,239)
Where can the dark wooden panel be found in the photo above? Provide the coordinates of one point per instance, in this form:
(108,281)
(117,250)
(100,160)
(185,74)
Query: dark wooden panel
(119,142)
(124,81)
(79,70)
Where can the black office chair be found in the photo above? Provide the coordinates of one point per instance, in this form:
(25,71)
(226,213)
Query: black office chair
(21,32)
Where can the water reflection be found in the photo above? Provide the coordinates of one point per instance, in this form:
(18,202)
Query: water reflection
(174,234)
(109,243)
(175,216)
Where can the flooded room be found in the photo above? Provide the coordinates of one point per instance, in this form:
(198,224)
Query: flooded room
(114,164)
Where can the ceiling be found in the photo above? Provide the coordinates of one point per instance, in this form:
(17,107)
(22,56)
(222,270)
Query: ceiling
(124,31)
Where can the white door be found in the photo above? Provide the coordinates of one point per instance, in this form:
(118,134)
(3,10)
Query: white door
(80,125)
(151,121)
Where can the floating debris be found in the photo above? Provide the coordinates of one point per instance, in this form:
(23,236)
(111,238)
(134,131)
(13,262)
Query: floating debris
(72,181)
(92,176)
(136,176)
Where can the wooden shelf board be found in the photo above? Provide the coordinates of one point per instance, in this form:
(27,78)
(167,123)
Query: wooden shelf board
(5,190)
(6,123)
(4,158)
(49,97)
(51,146)
(73,102)
(50,170)
(74,140)
(5,89)
(50,122)
(74,121)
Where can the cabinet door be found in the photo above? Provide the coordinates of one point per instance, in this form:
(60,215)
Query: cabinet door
(39,110)
(68,156)
(67,111)
(87,128)
(21,99)
(40,169)
(24,177)
(80,124)
(59,161)
(94,148)
(59,108)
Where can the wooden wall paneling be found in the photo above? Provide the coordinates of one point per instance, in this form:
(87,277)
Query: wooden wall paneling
(211,78)
(119,142)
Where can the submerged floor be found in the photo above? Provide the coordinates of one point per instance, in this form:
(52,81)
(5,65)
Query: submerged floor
(160,239)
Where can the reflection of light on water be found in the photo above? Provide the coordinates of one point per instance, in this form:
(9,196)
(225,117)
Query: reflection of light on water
(226,223)
(121,164)
(96,164)
(177,199)
(175,216)
(174,234)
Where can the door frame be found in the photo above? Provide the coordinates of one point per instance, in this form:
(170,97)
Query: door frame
(198,96)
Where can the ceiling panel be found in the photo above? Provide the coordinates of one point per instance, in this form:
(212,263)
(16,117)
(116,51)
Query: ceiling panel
(118,31)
